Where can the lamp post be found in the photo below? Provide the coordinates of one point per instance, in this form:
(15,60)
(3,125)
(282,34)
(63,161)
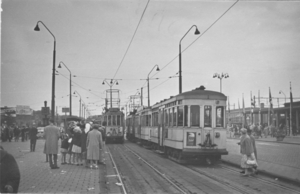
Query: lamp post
(53,69)
(79,103)
(111,83)
(180,77)
(59,66)
(221,76)
(157,69)
(283,94)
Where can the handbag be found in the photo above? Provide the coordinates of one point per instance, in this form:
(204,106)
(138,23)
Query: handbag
(251,162)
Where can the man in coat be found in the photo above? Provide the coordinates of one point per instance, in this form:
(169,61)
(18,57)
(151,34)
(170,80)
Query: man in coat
(10,173)
(33,136)
(94,146)
(51,135)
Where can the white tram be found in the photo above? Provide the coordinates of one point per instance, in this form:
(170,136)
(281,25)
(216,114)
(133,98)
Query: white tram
(186,127)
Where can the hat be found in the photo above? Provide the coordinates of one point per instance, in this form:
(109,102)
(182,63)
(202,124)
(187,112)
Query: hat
(244,130)
(95,127)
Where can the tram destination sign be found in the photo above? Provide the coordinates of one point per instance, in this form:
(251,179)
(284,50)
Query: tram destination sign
(65,110)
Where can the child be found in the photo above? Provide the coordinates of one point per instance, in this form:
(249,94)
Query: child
(64,148)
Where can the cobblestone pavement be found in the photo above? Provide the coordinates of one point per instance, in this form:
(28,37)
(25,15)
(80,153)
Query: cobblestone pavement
(37,177)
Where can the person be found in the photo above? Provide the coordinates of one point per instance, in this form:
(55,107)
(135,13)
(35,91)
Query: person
(94,146)
(11,133)
(23,133)
(249,132)
(33,136)
(83,127)
(10,173)
(51,135)
(76,149)
(16,133)
(64,148)
(246,150)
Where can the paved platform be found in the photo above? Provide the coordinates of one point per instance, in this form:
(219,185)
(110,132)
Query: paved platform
(37,177)
(279,159)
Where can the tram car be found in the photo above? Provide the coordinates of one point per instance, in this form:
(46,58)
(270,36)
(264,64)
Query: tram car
(113,120)
(187,127)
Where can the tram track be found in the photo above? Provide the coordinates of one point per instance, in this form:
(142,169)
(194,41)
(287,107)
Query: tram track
(226,183)
(264,180)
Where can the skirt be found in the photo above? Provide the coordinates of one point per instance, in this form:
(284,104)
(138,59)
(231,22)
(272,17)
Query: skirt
(245,159)
(76,149)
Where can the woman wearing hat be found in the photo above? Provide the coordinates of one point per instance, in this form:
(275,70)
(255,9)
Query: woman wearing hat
(94,145)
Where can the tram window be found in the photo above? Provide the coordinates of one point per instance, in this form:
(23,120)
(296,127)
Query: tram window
(180,116)
(114,120)
(118,120)
(219,116)
(186,110)
(109,120)
(195,116)
(166,117)
(170,117)
(207,116)
(149,122)
(174,117)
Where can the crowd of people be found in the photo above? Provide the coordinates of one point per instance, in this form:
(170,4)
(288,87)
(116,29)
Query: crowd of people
(263,131)
(81,144)
(14,132)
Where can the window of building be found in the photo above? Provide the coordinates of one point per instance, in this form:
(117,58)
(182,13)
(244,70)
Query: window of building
(180,115)
(207,116)
(195,116)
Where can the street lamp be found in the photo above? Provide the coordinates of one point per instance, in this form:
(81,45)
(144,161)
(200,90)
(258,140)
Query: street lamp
(59,66)
(157,69)
(53,69)
(111,83)
(79,103)
(221,76)
(283,94)
(180,77)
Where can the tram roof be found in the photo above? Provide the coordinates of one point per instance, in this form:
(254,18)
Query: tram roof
(201,94)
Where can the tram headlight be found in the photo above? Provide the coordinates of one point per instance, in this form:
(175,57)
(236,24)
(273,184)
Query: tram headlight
(217,135)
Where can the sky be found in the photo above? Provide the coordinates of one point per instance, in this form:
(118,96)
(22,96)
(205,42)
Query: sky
(255,42)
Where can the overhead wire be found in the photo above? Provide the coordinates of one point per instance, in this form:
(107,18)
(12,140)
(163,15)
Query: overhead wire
(132,39)
(195,41)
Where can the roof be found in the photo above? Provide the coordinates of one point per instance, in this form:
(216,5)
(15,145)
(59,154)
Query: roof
(201,94)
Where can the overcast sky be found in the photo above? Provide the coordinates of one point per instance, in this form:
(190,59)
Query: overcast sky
(256,43)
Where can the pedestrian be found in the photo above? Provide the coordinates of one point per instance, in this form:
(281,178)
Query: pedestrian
(51,135)
(10,133)
(71,136)
(246,150)
(84,127)
(253,157)
(23,133)
(16,133)
(76,149)
(33,136)
(94,146)
(64,148)
(10,173)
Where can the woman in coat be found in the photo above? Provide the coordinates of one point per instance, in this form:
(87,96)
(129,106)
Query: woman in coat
(94,146)
(247,151)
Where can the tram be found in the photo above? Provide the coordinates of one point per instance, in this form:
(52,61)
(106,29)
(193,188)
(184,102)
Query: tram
(113,120)
(187,127)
